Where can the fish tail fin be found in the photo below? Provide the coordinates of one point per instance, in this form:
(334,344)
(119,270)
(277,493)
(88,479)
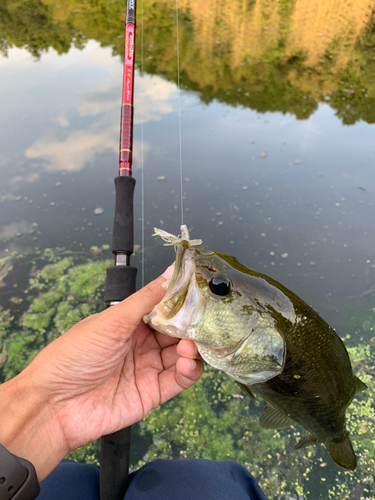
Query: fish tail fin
(342,453)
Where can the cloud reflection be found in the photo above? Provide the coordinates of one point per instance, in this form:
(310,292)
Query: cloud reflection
(61,120)
(153,99)
(72,153)
(68,147)
(30,178)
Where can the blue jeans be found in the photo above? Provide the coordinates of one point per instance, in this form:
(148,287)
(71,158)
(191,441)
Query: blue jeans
(160,480)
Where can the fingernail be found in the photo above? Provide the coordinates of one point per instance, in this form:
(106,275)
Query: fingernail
(168,273)
(193,365)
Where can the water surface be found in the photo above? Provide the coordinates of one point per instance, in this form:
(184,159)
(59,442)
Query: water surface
(277,115)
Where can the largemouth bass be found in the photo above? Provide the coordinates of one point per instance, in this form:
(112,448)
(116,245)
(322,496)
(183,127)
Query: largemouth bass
(267,339)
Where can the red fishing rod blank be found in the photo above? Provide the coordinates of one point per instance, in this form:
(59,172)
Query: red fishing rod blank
(127,109)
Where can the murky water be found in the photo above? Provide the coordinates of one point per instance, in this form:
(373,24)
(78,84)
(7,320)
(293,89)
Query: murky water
(278,113)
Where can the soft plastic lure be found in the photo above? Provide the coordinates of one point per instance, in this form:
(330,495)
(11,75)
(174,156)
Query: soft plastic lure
(172,240)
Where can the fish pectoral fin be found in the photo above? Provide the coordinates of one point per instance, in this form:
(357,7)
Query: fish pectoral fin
(359,385)
(273,419)
(306,441)
(342,453)
(246,389)
(280,386)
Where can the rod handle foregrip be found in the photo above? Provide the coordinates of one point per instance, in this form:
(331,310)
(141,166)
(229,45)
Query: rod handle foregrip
(123,225)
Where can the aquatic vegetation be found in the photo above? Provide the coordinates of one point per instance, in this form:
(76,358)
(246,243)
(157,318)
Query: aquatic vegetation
(6,265)
(5,321)
(60,294)
(213,419)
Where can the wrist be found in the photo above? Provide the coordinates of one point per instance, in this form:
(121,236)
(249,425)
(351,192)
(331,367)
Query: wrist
(29,429)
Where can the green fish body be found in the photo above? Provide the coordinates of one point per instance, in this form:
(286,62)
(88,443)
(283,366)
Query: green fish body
(267,339)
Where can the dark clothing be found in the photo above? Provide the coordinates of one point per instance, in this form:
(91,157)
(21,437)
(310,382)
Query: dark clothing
(160,480)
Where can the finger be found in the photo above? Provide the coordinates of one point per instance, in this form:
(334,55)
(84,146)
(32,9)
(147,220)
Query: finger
(188,371)
(164,340)
(140,303)
(176,379)
(187,349)
(168,273)
(169,356)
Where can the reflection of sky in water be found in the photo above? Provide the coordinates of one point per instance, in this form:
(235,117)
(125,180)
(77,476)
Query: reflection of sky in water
(282,195)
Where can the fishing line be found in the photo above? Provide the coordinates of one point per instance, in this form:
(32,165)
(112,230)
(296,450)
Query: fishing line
(142,163)
(179,114)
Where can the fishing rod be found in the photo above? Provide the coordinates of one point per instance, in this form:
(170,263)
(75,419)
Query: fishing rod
(121,277)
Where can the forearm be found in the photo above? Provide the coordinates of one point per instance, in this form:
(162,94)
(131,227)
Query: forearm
(28,427)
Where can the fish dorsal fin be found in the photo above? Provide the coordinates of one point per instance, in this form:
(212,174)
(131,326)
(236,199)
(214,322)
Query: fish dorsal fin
(359,385)
(273,419)
(306,441)
(246,389)
(342,453)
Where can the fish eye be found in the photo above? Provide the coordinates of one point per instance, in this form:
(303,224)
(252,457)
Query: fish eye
(220,285)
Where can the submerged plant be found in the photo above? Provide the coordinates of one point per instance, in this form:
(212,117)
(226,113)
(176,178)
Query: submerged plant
(60,294)
(213,419)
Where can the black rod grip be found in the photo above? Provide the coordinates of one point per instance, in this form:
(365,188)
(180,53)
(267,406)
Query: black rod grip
(115,448)
(114,459)
(123,226)
(120,283)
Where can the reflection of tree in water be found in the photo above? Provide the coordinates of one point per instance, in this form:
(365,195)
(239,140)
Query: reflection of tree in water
(270,56)
(326,32)
(316,25)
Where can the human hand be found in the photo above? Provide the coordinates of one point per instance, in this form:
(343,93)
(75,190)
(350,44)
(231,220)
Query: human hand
(104,374)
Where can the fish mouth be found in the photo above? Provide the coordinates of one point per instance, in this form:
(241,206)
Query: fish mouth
(182,271)
(175,313)
(178,287)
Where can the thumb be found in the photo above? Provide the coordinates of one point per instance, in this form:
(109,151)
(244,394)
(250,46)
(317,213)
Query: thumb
(142,302)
